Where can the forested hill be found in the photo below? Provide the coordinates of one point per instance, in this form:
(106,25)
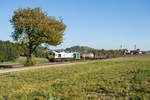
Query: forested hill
(81,49)
(85,49)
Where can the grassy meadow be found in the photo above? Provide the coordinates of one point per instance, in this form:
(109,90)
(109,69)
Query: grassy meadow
(120,78)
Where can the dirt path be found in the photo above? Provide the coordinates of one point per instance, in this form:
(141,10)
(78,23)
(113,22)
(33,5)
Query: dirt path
(37,67)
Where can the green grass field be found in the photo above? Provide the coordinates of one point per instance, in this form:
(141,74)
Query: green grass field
(113,79)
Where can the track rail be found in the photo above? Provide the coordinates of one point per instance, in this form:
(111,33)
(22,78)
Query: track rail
(38,67)
(38,64)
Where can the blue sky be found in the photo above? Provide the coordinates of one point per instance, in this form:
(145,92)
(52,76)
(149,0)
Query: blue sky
(96,23)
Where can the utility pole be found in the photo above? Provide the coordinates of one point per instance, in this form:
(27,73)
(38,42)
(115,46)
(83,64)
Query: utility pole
(135,47)
(120,46)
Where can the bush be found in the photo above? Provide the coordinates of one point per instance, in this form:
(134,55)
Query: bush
(8,51)
(40,52)
(30,62)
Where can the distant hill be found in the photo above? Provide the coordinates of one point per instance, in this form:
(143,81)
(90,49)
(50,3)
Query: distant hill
(81,49)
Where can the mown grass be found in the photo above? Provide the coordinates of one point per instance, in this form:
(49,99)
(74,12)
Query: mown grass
(120,78)
(21,60)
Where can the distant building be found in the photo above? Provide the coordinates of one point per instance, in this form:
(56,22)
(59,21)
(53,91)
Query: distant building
(147,52)
(135,52)
(131,52)
(125,51)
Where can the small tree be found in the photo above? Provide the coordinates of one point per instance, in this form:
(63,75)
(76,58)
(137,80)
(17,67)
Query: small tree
(32,27)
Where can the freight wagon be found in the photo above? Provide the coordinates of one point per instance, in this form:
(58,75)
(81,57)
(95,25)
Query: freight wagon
(87,56)
(100,56)
(93,56)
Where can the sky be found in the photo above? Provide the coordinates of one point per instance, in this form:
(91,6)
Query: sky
(100,24)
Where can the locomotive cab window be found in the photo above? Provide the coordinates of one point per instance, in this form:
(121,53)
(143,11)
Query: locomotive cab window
(59,55)
(52,54)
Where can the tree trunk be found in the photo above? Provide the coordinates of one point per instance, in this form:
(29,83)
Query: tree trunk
(30,61)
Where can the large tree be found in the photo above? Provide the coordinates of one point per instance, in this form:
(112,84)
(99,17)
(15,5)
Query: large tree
(32,27)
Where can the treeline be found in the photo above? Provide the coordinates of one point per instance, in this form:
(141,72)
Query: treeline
(86,49)
(41,52)
(10,51)
(110,53)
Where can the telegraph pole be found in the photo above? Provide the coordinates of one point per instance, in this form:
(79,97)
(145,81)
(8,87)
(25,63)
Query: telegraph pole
(120,46)
(135,47)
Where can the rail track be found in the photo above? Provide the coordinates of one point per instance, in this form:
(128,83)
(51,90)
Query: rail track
(38,64)
(38,67)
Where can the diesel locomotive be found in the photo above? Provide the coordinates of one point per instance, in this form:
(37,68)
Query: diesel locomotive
(54,56)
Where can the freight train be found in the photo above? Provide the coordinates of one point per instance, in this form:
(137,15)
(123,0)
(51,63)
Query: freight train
(54,56)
